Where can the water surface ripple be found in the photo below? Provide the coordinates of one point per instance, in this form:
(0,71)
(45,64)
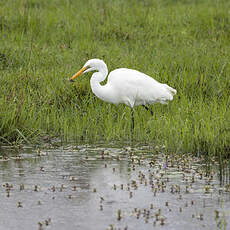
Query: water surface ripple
(109,187)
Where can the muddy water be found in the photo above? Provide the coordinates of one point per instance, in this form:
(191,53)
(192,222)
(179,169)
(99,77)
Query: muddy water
(109,187)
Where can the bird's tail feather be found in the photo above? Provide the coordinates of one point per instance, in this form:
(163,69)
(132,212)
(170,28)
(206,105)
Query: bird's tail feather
(171,90)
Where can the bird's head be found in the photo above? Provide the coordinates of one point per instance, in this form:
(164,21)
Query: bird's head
(90,65)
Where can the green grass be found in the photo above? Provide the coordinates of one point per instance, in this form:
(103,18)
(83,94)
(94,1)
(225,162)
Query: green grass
(184,43)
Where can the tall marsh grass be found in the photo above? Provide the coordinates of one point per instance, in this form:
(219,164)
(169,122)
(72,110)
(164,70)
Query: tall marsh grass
(183,43)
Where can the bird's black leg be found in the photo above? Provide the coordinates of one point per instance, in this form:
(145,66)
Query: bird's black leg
(132,114)
(147,108)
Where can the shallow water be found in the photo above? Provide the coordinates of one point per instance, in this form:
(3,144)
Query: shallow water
(98,187)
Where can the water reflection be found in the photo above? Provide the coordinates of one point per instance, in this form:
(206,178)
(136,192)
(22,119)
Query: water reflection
(109,187)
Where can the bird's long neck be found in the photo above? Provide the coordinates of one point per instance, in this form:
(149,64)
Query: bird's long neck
(98,89)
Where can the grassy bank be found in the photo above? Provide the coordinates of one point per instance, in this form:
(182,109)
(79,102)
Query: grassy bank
(185,44)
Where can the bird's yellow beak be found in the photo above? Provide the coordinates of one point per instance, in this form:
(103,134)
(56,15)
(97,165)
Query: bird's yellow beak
(78,73)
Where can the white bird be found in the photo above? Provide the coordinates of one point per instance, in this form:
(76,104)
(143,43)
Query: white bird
(127,86)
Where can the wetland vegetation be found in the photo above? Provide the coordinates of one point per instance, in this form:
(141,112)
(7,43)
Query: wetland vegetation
(136,180)
(183,43)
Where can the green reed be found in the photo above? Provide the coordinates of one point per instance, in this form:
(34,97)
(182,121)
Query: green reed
(182,43)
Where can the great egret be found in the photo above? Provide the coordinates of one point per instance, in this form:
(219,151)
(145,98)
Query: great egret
(127,86)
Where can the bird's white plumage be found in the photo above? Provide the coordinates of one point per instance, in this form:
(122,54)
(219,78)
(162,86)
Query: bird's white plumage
(127,86)
(138,88)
